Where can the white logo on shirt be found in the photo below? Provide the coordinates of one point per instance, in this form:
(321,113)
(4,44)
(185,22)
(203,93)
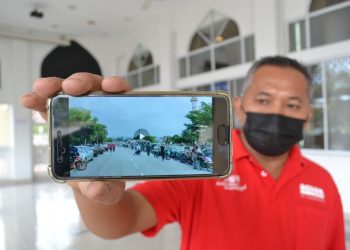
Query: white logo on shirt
(311,192)
(233,182)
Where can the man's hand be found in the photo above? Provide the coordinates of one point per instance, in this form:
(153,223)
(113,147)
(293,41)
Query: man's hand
(76,84)
(106,192)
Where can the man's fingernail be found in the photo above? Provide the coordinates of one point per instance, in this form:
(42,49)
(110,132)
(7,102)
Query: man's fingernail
(25,95)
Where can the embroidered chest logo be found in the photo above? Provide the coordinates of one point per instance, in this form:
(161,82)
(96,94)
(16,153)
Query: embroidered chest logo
(311,192)
(233,182)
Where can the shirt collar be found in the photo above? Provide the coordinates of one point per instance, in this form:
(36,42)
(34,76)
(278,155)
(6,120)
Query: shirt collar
(239,151)
(295,156)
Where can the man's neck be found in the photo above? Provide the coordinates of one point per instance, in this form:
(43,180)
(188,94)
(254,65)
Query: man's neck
(272,164)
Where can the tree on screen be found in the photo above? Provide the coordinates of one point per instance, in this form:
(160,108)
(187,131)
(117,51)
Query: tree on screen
(85,129)
(200,119)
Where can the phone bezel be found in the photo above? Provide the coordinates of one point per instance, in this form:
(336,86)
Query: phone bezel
(228,146)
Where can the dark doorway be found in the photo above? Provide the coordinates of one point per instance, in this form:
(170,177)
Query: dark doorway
(64,61)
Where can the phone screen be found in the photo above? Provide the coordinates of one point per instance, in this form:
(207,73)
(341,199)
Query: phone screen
(129,136)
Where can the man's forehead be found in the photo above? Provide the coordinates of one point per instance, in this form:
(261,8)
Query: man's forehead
(274,77)
(276,89)
(287,94)
(273,71)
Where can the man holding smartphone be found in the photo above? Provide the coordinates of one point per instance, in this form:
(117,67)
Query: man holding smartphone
(274,199)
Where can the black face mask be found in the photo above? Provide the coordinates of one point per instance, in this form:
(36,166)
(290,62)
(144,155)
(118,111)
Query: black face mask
(272,134)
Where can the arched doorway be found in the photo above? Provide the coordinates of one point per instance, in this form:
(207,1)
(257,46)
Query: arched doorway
(64,61)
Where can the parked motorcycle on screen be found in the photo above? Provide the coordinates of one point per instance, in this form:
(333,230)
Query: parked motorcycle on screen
(205,161)
(77,163)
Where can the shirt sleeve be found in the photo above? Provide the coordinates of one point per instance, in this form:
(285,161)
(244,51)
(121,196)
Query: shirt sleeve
(336,240)
(166,198)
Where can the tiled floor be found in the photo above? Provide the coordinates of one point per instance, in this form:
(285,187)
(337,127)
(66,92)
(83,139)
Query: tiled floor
(44,216)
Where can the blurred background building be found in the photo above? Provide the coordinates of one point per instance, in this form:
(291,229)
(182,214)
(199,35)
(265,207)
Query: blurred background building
(156,45)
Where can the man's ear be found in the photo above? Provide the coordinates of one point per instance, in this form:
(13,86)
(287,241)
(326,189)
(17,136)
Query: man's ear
(239,113)
(308,119)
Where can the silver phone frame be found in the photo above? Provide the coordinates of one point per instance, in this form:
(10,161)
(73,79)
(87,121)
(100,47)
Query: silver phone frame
(146,93)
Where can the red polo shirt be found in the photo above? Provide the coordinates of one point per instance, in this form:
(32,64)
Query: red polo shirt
(250,210)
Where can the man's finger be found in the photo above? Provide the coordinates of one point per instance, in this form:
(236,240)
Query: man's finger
(46,87)
(81,83)
(114,84)
(33,101)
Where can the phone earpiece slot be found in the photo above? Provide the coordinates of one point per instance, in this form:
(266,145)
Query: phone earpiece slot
(222,134)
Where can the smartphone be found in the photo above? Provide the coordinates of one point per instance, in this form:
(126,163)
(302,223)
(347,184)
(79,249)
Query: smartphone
(140,135)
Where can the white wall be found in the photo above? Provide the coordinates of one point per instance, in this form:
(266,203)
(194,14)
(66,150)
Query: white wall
(337,164)
(6,152)
(295,9)
(18,71)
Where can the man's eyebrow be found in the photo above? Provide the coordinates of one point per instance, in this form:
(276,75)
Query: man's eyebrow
(296,98)
(291,98)
(264,93)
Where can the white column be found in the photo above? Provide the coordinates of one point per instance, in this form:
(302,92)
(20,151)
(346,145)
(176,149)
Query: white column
(267,27)
(167,52)
(22,125)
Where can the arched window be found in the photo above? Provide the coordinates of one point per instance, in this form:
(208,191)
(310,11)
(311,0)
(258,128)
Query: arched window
(141,70)
(216,44)
(320,4)
(141,58)
(327,22)
(214,28)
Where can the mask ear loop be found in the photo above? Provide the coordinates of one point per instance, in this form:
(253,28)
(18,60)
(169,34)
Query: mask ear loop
(242,107)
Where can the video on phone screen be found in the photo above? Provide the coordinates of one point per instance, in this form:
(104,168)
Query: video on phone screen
(140,136)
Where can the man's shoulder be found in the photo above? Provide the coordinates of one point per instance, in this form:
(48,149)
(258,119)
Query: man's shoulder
(316,170)
(311,165)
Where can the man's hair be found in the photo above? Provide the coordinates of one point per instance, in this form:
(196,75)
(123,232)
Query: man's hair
(279,61)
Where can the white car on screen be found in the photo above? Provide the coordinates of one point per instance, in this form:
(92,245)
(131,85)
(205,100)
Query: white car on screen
(86,153)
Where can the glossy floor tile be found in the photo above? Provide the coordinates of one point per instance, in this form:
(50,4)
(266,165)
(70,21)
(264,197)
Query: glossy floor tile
(44,216)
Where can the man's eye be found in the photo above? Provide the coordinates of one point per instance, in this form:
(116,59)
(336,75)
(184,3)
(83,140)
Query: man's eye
(293,106)
(263,101)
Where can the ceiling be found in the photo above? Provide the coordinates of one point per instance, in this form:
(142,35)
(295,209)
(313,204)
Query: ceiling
(83,18)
